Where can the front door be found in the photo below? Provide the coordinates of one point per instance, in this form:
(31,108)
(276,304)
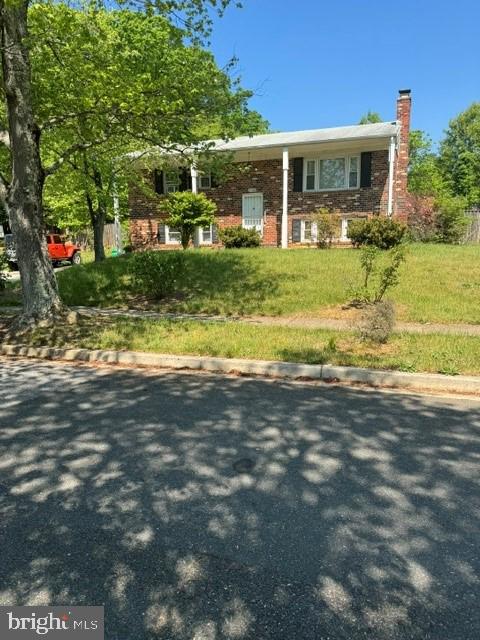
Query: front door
(252,211)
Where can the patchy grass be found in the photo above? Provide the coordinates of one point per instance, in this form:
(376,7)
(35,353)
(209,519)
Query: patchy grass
(439,283)
(405,352)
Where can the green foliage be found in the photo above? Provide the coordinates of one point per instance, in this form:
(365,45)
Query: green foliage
(377,322)
(380,231)
(460,155)
(377,278)
(157,274)
(328,227)
(3,271)
(425,177)
(186,211)
(238,237)
(450,220)
(371,117)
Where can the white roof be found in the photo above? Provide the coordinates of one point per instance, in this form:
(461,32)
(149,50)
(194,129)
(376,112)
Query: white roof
(310,136)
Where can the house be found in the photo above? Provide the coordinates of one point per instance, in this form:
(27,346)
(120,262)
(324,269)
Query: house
(357,171)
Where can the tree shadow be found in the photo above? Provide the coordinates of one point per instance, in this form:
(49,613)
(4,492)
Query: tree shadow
(356,516)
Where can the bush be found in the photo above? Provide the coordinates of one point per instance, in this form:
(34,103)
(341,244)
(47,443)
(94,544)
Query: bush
(380,232)
(157,274)
(328,227)
(450,219)
(238,237)
(372,290)
(377,322)
(3,269)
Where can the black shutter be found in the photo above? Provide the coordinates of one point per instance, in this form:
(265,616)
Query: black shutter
(214,234)
(161,234)
(185,180)
(296,230)
(366,169)
(158,181)
(298,174)
(213,181)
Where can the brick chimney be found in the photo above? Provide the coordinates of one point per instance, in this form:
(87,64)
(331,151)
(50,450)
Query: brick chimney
(404,107)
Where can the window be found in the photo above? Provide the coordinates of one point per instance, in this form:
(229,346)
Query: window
(205,181)
(308,231)
(346,223)
(206,235)
(172,181)
(310,175)
(172,236)
(332,174)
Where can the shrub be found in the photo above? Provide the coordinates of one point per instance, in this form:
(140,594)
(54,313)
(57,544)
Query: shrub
(3,270)
(377,322)
(186,211)
(380,232)
(377,281)
(157,274)
(238,237)
(328,227)
(450,219)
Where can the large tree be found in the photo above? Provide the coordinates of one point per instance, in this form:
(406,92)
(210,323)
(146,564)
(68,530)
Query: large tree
(138,85)
(460,154)
(21,185)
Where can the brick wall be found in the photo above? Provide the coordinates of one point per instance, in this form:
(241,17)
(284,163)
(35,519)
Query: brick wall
(265,176)
(400,195)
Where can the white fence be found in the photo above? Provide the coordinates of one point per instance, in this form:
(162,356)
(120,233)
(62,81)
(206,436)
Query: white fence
(472,233)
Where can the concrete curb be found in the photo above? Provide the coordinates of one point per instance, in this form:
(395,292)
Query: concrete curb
(291,370)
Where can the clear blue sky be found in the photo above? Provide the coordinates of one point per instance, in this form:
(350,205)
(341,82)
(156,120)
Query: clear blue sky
(314,63)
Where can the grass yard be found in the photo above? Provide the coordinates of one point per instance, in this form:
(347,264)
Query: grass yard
(439,283)
(405,352)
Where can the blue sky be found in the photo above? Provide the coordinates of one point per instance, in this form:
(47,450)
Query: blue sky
(314,63)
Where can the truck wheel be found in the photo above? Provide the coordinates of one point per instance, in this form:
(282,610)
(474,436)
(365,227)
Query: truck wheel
(76,258)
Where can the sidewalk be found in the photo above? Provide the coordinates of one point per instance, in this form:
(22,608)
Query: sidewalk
(297,322)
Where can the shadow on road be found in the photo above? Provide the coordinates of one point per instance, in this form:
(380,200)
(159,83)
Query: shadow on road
(202,507)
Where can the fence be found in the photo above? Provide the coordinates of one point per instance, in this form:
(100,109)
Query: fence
(84,238)
(472,233)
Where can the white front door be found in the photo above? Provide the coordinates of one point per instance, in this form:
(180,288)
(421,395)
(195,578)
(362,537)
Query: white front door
(252,211)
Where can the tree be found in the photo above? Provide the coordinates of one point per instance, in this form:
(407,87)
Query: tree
(187,211)
(371,117)
(425,177)
(460,154)
(21,186)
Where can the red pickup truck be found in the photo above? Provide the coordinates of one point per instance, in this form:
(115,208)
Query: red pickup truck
(58,250)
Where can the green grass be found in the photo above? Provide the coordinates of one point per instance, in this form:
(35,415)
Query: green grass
(439,283)
(405,352)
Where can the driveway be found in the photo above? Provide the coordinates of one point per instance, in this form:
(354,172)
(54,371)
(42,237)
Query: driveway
(204,507)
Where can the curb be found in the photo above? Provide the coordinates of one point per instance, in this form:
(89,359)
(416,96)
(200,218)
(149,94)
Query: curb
(290,370)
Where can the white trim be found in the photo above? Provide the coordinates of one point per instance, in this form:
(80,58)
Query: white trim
(391,169)
(313,232)
(347,157)
(285,199)
(169,240)
(201,238)
(260,219)
(204,176)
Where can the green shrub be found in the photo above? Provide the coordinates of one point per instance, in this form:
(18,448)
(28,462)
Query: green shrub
(238,237)
(380,232)
(157,274)
(377,281)
(3,270)
(377,322)
(450,219)
(187,211)
(328,227)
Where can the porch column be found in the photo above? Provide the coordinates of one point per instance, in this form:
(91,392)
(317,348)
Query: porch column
(391,169)
(193,173)
(285,199)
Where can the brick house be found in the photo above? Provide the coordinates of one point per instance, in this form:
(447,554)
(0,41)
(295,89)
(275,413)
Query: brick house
(356,171)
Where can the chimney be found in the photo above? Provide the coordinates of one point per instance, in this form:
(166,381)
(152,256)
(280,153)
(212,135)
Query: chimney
(404,105)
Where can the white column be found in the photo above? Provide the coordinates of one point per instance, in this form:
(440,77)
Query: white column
(285,199)
(194,174)
(117,226)
(391,168)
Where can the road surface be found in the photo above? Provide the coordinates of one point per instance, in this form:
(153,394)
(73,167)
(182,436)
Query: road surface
(205,507)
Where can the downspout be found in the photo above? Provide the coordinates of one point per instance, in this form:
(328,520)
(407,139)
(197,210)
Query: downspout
(194,175)
(391,169)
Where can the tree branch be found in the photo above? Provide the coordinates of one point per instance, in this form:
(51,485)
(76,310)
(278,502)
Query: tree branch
(78,146)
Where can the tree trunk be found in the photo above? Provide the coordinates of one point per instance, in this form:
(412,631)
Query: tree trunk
(24,195)
(98,226)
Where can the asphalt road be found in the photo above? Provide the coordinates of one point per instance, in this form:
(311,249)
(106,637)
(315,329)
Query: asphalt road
(206,507)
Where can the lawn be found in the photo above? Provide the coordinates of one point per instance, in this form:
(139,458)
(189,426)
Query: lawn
(439,283)
(405,352)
